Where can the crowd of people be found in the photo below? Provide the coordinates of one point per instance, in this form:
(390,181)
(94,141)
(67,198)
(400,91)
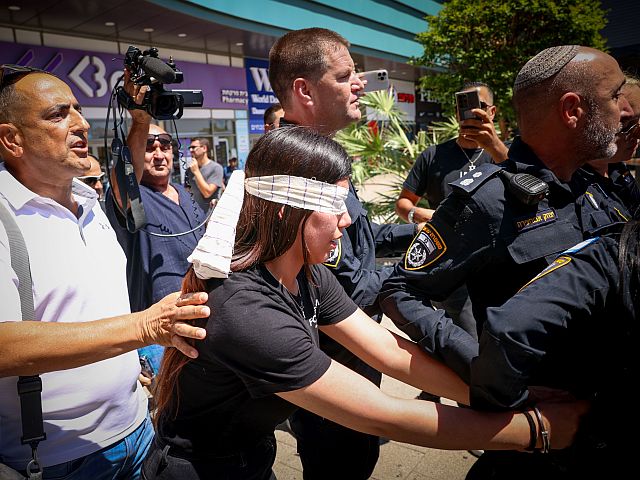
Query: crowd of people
(255,298)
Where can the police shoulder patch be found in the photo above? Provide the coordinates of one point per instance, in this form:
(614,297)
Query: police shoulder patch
(425,249)
(562,260)
(471,181)
(334,257)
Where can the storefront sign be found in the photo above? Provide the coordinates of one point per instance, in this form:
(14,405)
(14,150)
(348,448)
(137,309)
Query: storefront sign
(261,94)
(92,75)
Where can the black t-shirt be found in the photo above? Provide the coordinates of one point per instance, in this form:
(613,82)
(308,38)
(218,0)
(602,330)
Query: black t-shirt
(260,340)
(437,166)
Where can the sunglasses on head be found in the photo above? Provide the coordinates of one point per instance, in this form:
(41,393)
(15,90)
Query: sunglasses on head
(163,138)
(91,180)
(8,71)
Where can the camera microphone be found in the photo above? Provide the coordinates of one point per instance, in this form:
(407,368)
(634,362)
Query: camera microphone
(157,69)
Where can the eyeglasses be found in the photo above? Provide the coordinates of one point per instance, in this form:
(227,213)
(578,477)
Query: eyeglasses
(484,105)
(91,180)
(8,70)
(193,147)
(163,138)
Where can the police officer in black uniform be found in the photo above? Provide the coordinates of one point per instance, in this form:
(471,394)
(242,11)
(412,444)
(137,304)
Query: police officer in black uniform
(496,231)
(307,69)
(573,327)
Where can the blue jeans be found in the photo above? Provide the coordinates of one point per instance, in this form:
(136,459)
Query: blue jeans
(154,354)
(122,460)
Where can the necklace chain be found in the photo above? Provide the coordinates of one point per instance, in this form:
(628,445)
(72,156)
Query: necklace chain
(474,158)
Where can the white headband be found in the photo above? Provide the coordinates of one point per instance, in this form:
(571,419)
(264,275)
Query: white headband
(299,192)
(212,256)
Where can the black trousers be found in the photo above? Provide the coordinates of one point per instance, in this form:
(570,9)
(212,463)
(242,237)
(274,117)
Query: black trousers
(330,451)
(164,462)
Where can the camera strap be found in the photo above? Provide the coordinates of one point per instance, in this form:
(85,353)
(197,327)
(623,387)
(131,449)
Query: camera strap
(128,186)
(29,387)
(120,161)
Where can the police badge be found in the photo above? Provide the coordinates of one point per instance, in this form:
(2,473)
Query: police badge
(334,257)
(425,249)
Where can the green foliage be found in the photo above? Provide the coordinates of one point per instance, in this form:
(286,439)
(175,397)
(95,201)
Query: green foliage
(489,41)
(385,148)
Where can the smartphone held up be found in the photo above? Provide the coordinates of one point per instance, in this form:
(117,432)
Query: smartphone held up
(375,80)
(466,101)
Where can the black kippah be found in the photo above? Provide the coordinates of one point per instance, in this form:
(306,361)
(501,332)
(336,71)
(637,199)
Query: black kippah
(544,65)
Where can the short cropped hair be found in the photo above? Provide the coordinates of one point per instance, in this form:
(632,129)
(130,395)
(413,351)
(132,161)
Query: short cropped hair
(204,142)
(270,113)
(470,85)
(301,53)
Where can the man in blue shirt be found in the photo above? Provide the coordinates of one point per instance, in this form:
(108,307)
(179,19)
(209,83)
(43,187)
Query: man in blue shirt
(157,253)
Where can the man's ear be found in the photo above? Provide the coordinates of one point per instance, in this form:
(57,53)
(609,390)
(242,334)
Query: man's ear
(10,140)
(572,109)
(302,91)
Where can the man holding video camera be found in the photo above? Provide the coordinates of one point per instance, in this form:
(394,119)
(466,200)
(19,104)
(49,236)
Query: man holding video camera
(156,254)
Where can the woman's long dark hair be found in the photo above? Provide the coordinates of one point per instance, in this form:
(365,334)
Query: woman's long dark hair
(629,261)
(262,234)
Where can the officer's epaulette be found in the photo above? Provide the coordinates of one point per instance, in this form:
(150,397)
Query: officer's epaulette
(611,229)
(472,180)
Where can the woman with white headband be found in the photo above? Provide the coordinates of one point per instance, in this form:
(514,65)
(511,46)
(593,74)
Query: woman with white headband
(217,414)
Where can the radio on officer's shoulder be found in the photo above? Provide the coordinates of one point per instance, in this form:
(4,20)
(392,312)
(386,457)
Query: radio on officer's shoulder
(526,188)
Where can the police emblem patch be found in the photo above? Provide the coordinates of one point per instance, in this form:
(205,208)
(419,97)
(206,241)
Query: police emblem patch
(425,249)
(334,256)
(557,263)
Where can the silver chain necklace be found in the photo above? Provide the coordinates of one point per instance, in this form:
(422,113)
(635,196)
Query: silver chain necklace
(474,158)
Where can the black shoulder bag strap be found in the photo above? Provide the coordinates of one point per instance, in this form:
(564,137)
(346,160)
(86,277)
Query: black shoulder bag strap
(29,387)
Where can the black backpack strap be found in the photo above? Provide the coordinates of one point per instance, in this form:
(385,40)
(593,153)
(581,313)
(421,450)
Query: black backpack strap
(29,387)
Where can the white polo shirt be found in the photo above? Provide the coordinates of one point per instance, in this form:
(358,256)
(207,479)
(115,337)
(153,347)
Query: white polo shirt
(79,274)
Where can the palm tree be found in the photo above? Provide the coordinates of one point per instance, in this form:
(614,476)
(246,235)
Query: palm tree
(385,148)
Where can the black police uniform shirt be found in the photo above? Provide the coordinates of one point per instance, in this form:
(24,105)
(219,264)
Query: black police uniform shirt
(483,235)
(261,340)
(620,184)
(437,166)
(571,328)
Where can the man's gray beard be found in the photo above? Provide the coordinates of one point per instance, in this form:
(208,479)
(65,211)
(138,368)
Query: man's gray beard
(598,141)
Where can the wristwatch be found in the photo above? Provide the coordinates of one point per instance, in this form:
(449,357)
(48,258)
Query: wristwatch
(410,215)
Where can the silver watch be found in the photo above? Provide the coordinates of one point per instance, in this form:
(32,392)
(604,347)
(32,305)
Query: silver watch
(410,215)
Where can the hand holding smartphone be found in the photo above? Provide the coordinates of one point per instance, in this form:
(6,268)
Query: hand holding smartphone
(465,102)
(375,80)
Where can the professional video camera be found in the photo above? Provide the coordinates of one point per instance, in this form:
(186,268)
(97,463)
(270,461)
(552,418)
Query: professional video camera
(147,69)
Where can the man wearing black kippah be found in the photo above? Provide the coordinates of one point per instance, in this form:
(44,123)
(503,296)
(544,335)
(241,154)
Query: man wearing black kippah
(495,233)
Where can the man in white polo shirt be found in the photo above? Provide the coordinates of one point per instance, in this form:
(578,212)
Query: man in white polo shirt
(94,414)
